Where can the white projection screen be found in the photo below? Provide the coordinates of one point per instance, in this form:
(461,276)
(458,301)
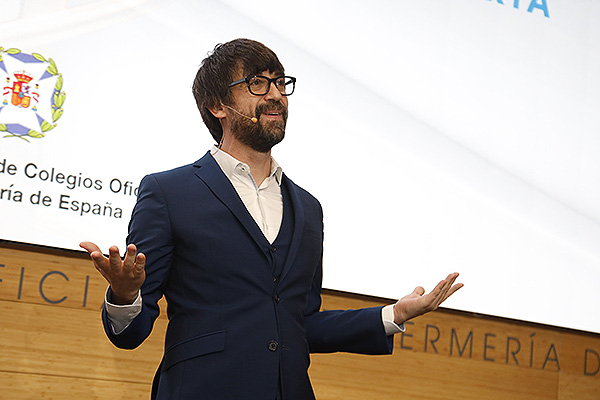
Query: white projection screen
(439,135)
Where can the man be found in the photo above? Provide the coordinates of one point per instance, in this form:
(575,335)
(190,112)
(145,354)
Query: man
(236,248)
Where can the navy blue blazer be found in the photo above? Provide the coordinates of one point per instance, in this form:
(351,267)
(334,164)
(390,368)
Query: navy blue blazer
(235,331)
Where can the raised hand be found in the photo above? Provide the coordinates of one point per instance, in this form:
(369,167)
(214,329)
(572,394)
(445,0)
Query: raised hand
(125,276)
(418,303)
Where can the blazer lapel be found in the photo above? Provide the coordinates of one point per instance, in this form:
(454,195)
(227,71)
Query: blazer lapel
(212,175)
(294,197)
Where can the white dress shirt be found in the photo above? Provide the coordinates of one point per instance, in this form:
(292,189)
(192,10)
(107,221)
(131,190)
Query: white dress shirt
(265,205)
(264,202)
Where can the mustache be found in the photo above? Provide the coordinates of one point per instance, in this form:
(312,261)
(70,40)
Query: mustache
(271,105)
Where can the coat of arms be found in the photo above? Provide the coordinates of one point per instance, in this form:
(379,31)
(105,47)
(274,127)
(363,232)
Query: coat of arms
(32,97)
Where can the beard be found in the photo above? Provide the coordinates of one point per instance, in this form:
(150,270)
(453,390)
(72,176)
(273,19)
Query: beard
(262,135)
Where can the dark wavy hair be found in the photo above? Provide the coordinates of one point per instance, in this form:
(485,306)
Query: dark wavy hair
(211,85)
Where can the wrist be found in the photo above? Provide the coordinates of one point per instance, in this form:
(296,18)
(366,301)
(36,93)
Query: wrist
(398,317)
(121,298)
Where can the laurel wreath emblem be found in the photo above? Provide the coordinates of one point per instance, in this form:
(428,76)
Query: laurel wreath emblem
(57,99)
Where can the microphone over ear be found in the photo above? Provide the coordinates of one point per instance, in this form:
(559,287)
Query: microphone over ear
(253,119)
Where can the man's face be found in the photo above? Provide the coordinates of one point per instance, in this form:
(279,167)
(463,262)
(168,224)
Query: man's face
(270,111)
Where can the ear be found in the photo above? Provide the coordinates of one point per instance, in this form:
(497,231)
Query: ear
(218,111)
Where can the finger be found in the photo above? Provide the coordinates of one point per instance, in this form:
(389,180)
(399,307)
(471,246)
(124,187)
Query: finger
(100,262)
(452,276)
(89,247)
(441,288)
(114,258)
(140,263)
(440,292)
(130,258)
(449,281)
(453,290)
(450,288)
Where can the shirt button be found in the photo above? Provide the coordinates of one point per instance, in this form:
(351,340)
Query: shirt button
(273,345)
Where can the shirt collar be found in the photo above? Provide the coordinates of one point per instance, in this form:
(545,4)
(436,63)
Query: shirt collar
(228,164)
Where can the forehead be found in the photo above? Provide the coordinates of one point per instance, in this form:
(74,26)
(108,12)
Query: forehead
(242,72)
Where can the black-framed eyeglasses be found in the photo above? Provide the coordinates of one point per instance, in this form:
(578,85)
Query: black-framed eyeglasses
(260,85)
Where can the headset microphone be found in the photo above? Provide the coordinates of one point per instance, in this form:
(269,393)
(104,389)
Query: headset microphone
(253,119)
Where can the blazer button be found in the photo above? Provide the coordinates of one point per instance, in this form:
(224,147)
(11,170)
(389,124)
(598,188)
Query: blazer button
(273,345)
(273,249)
(277,299)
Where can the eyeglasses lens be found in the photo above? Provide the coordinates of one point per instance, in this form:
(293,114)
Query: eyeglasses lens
(260,85)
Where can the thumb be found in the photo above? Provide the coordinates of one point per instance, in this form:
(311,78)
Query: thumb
(89,247)
(419,291)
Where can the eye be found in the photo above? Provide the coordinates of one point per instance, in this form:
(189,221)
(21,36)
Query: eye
(255,82)
(280,82)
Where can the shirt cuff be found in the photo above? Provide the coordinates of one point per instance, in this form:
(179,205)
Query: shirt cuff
(120,316)
(387,316)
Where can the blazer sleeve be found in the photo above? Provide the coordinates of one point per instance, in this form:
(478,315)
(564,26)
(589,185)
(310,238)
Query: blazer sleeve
(150,230)
(354,331)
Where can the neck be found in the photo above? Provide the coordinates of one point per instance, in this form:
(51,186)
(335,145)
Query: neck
(259,163)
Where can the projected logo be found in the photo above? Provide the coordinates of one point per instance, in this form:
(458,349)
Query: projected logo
(32,96)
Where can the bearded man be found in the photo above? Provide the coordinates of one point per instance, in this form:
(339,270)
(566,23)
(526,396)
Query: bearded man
(236,247)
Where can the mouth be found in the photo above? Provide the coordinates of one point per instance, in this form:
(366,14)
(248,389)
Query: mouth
(272,114)
(272,111)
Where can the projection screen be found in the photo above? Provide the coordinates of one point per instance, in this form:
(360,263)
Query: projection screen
(439,135)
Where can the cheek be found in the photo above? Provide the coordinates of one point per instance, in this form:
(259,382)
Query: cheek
(253,106)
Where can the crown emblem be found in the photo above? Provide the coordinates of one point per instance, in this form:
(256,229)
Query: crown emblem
(23,76)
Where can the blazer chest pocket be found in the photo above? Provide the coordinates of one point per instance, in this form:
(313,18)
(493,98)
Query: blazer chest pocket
(212,342)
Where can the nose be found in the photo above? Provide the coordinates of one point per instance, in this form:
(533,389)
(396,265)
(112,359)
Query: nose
(273,92)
